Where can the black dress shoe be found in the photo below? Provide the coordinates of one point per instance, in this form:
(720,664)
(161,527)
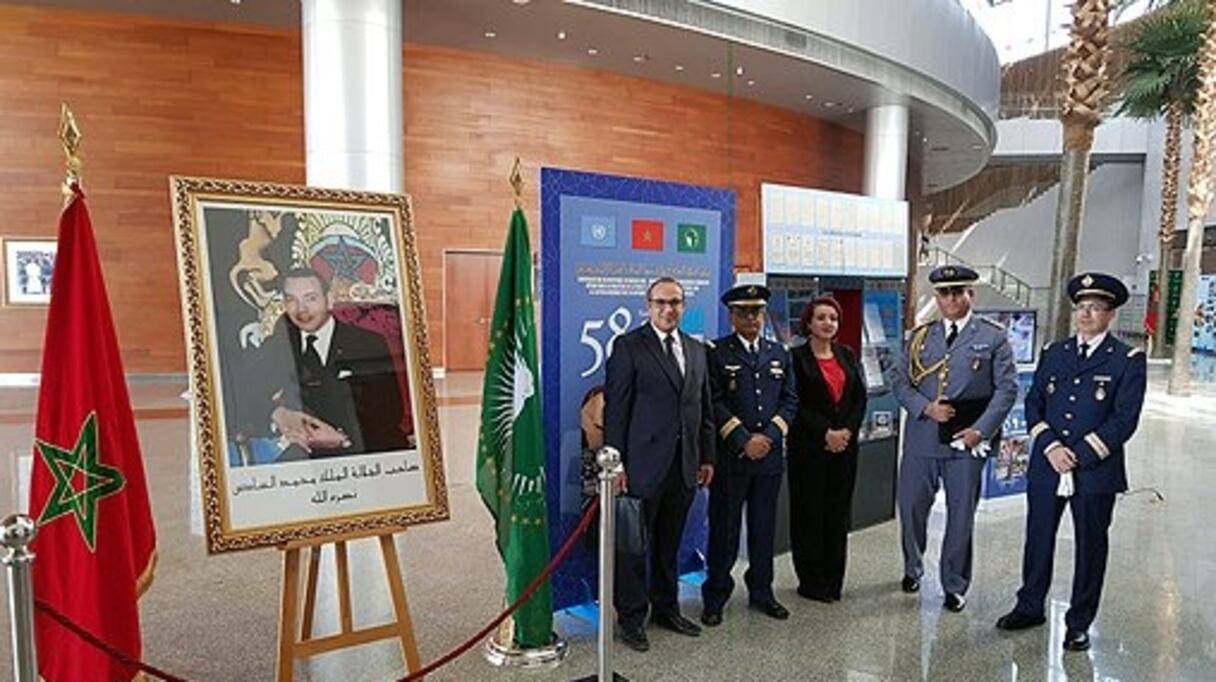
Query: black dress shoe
(634,638)
(711,618)
(910,585)
(677,623)
(814,595)
(1076,640)
(955,602)
(772,608)
(1016,620)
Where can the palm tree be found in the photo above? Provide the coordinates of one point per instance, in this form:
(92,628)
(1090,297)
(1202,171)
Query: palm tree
(1199,199)
(1162,76)
(1085,92)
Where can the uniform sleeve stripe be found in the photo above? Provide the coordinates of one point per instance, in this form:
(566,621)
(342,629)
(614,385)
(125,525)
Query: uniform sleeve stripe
(781,424)
(1096,443)
(730,425)
(1038,428)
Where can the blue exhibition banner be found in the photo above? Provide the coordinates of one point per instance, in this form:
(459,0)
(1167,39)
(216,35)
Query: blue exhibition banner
(604,238)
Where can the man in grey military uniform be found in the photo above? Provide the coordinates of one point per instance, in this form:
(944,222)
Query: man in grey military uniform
(957,380)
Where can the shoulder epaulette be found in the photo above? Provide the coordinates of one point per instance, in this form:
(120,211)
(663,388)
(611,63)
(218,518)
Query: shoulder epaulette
(992,322)
(1046,346)
(1134,352)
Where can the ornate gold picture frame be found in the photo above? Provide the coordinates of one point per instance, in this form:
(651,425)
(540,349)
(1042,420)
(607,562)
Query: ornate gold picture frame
(313,403)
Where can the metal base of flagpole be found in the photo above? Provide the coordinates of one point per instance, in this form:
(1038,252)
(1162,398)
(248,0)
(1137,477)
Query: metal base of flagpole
(511,656)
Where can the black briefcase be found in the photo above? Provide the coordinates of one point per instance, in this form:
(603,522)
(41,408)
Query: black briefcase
(631,535)
(966,413)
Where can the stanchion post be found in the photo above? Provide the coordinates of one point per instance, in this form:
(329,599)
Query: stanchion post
(16,533)
(609,460)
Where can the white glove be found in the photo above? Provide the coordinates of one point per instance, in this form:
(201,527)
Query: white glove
(978,451)
(1067,486)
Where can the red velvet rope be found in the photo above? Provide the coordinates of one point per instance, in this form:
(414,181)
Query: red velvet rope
(108,650)
(527,593)
(531,589)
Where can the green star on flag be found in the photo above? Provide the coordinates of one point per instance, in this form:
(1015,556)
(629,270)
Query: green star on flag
(97,480)
(690,238)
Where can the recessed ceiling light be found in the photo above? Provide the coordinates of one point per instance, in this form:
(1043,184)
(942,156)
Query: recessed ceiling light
(639,58)
(561,35)
(809,97)
(750,82)
(829,104)
(679,67)
(521,2)
(977,146)
(715,74)
(491,34)
(592,51)
(850,110)
(738,70)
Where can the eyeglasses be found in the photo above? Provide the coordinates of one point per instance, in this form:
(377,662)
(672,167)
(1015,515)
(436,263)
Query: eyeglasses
(1091,308)
(947,292)
(664,302)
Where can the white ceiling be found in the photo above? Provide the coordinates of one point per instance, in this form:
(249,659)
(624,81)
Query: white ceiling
(948,150)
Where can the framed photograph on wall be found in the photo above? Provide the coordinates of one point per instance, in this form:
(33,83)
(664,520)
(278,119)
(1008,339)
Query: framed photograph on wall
(28,265)
(313,407)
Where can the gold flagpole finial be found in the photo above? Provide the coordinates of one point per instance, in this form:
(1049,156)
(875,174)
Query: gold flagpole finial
(69,137)
(517,184)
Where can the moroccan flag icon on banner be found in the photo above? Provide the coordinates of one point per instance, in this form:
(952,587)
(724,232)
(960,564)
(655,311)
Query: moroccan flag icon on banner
(96,546)
(648,235)
(510,445)
(690,238)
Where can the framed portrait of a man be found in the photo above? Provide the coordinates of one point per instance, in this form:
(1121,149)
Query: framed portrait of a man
(313,406)
(28,264)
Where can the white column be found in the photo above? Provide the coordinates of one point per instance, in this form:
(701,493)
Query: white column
(352,94)
(886,151)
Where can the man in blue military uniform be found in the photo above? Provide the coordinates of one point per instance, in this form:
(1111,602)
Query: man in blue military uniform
(754,399)
(1083,407)
(957,380)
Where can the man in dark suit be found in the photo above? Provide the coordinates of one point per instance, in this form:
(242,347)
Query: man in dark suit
(658,413)
(338,394)
(754,403)
(1083,406)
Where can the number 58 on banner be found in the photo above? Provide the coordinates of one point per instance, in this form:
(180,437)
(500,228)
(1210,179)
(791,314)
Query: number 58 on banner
(618,323)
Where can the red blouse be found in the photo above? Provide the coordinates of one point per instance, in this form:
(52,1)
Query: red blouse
(833,375)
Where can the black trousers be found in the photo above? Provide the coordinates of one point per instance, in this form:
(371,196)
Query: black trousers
(821,501)
(666,513)
(1091,518)
(728,494)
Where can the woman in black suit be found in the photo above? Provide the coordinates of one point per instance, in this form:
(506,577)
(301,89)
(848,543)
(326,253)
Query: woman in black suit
(823,452)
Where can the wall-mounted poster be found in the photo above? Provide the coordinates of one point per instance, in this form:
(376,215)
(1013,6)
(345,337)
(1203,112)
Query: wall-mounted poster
(832,233)
(28,264)
(1021,328)
(313,402)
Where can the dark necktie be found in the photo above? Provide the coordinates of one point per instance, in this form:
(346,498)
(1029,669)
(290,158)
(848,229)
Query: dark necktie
(311,356)
(669,345)
(1084,350)
(952,335)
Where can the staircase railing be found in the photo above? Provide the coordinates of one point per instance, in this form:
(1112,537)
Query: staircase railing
(1004,282)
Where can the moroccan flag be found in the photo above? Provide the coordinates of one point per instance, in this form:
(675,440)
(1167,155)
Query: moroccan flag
(95,544)
(510,446)
(648,235)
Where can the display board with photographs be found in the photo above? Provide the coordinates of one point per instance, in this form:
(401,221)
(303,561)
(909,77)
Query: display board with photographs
(313,401)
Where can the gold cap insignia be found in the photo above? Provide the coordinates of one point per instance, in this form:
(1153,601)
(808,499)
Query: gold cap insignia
(1087,281)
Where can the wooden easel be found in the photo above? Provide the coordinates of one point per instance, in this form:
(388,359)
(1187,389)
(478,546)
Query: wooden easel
(293,620)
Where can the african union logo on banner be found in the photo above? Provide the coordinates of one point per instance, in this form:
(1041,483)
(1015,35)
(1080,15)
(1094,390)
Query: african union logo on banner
(690,238)
(598,232)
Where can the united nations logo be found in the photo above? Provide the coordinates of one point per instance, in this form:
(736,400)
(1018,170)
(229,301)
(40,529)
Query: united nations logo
(599,231)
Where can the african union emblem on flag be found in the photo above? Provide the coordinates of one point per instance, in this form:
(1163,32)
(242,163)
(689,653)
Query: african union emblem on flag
(510,449)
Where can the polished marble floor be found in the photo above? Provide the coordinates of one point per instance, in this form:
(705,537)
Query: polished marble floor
(215,618)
